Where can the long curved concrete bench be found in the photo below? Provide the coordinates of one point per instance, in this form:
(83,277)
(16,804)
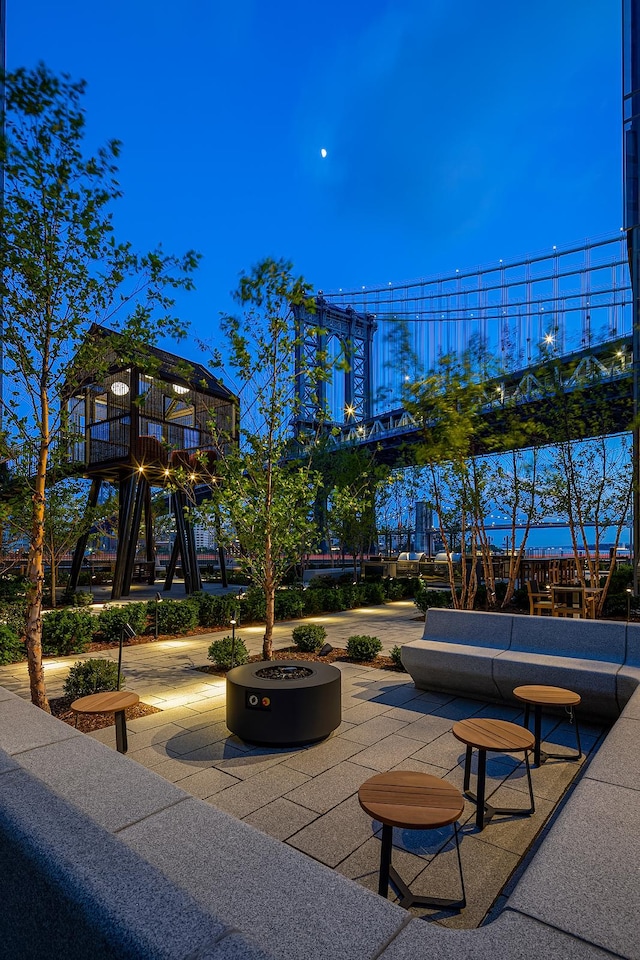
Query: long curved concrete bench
(488,654)
(103,859)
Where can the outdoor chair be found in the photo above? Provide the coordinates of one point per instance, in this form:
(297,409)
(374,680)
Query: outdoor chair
(540,603)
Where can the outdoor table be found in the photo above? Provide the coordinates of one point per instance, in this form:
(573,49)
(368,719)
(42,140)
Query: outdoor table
(538,696)
(413,801)
(112,701)
(498,736)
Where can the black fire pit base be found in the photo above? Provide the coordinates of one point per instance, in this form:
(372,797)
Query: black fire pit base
(287,709)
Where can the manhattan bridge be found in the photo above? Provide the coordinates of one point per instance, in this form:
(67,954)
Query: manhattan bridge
(573,304)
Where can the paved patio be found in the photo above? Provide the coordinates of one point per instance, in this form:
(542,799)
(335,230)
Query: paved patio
(307,796)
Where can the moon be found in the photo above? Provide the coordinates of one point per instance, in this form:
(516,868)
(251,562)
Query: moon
(323,153)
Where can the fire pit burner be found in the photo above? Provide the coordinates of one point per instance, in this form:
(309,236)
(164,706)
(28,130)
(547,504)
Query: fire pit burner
(280,703)
(280,672)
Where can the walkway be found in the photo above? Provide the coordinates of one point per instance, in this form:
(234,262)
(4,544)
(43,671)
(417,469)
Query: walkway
(307,797)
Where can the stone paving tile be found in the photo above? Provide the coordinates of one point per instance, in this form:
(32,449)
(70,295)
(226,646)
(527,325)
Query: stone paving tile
(205,783)
(484,868)
(362,711)
(249,795)
(459,709)
(426,728)
(333,836)
(249,765)
(159,719)
(138,739)
(320,757)
(445,752)
(213,753)
(363,864)
(387,753)
(281,818)
(186,741)
(550,780)
(329,788)
(198,720)
(371,731)
(513,833)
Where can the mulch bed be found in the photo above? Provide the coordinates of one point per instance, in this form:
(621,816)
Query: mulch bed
(88,722)
(337,654)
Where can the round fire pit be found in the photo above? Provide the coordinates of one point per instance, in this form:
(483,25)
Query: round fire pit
(282,702)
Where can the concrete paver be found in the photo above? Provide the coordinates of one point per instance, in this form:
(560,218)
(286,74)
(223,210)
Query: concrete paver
(307,797)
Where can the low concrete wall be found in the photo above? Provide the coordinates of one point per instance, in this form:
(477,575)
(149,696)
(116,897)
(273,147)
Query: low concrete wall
(488,654)
(101,858)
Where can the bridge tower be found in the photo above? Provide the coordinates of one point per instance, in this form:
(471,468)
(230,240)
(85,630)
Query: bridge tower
(347,336)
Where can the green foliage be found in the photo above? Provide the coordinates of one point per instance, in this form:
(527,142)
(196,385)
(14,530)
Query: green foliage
(91,676)
(12,647)
(13,587)
(62,270)
(176,616)
(81,598)
(621,578)
(289,604)
(396,656)
(12,614)
(309,637)
(432,598)
(67,631)
(253,606)
(111,620)
(216,611)
(363,647)
(374,593)
(220,652)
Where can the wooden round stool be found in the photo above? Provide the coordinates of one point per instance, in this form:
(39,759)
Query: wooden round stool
(538,696)
(499,736)
(414,801)
(110,701)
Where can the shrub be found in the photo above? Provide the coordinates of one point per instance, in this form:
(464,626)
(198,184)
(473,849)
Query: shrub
(363,647)
(312,602)
(220,653)
(67,631)
(91,676)
(396,656)
(175,616)
(254,606)
(289,604)
(309,637)
(394,589)
(111,620)
(374,593)
(12,648)
(12,587)
(215,611)
(80,599)
(12,614)
(432,598)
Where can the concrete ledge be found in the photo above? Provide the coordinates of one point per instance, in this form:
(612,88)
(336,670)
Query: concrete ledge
(488,654)
(150,872)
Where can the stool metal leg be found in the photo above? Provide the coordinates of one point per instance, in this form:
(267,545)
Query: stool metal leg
(121,732)
(485,811)
(408,899)
(385,860)
(467,768)
(569,756)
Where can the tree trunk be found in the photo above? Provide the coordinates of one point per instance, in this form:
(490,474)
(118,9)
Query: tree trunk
(35,575)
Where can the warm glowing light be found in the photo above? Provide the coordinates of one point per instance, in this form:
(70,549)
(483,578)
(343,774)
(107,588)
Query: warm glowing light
(349,410)
(192,476)
(548,338)
(166,472)
(178,388)
(119,388)
(140,469)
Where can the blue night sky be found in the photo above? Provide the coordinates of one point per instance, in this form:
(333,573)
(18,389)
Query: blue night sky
(456,133)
